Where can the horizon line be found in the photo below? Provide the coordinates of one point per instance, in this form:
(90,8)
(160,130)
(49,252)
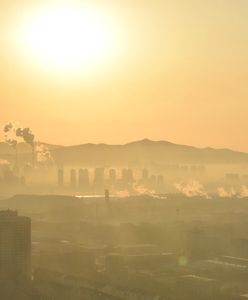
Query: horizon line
(135,141)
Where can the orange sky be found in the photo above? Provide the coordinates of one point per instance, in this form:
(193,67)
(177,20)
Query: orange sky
(180,75)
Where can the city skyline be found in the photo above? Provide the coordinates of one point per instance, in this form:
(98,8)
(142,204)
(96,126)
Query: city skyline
(123,149)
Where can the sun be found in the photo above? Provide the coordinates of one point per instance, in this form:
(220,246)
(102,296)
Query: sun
(69,38)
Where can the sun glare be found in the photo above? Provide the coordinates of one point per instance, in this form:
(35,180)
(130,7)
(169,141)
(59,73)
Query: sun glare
(70,38)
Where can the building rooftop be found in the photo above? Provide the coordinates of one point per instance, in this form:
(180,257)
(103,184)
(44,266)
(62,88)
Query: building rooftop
(8,213)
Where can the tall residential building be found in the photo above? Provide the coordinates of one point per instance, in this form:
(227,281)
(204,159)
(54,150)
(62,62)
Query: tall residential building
(145,175)
(112,177)
(15,254)
(84,180)
(60,177)
(130,177)
(160,184)
(98,184)
(124,175)
(73,178)
(160,180)
(124,179)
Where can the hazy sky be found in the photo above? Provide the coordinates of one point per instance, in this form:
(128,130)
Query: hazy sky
(180,74)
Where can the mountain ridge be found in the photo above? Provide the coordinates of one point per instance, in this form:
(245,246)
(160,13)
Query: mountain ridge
(137,153)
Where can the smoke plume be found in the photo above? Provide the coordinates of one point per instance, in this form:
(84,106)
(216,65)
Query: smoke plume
(26,134)
(141,190)
(244,191)
(8,127)
(43,155)
(192,189)
(241,192)
(12,131)
(223,193)
(10,138)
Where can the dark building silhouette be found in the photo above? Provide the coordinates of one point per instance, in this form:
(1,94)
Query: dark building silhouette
(98,184)
(83,180)
(73,178)
(130,177)
(145,175)
(60,177)
(108,205)
(160,180)
(126,177)
(15,255)
(153,182)
(112,177)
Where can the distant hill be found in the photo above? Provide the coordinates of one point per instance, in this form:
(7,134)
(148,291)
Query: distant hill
(136,153)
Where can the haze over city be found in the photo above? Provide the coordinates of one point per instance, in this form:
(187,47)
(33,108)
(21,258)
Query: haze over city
(164,70)
(123,150)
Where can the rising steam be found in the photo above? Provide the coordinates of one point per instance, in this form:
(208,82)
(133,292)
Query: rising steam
(43,155)
(244,191)
(14,133)
(192,189)
(241,192)
(139,190)
(10,137)
(26,134)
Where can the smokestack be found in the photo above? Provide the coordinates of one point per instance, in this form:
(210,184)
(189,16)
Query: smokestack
(73,178)
(107,196)
(107,201)
(9,130)
(28,137)
(33,157)
(60,178)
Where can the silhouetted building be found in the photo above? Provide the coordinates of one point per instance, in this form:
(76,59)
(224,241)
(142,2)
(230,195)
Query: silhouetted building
(145,175)
(98,183)
(126,177)
(108,205)
(60,177)
(73,178)
(112,177)
(160,184)
(130,178)
(107,196)
(160,180)
(153,182)
(84,180)
(15,254)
